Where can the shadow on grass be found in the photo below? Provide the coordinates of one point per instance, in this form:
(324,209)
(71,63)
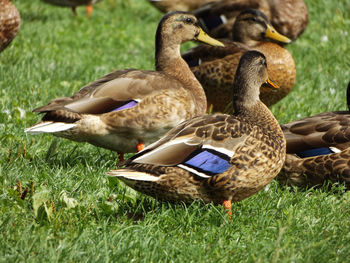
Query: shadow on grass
(147,209)
(59,156)
(39,16)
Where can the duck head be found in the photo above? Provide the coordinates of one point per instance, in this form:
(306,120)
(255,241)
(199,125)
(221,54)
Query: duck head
(178,27)
(252,26)
(251,74)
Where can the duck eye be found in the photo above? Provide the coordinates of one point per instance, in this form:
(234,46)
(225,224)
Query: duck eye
(188,20)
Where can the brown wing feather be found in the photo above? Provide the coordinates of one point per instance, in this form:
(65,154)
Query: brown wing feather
(84,92)
(163,109)
(221,131)
(111,91)
(316,170)
(322,130)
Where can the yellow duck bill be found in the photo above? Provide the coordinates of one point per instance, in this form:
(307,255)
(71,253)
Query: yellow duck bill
(204,37)
(272,33)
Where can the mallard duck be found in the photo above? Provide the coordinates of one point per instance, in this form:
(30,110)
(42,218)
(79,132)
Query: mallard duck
(215,67)
(126,109)
(73,4)
(216,158)
(10,22)
(166,6)
(289,17)
(318,149)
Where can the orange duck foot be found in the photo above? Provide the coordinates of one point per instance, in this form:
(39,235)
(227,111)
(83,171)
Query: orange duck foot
(140,146)
(89,9)
(228,208)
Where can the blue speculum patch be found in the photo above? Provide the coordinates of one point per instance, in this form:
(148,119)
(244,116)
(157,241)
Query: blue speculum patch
(127,105)
(193,62)
(208,162)
(314,152)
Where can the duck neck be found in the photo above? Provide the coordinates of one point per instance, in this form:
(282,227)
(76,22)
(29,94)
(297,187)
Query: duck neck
(245,92)
(240,34)
(169,60)
(258,113)
(247,40)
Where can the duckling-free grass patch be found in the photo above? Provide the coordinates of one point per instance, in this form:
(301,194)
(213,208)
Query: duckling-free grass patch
(56,202)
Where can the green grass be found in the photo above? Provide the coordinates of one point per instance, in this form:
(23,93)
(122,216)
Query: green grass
(75,214)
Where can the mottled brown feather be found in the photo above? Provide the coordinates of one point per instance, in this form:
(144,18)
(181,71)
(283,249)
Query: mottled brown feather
(329,129)
(313,171)
(217,70)
(248,174)
(252,135)
(10,22)
(166,97)
(321,130)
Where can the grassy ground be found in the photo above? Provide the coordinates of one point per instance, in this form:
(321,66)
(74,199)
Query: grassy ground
(73,213)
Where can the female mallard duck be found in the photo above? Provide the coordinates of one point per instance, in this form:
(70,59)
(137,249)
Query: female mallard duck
(180,5)
(73,4)
(215,67)
(217,158)
(10,22)
(318,149)
(289,17)
(126,109)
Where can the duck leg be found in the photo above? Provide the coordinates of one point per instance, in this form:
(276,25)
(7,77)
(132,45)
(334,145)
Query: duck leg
(139,147)
(74,9)
(228,208)
(121,159)
(89,9)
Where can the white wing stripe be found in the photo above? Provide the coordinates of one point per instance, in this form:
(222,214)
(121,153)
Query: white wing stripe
(50,127)
(223,19)
(219,149)
(138,176)
(193,171)
(334,149)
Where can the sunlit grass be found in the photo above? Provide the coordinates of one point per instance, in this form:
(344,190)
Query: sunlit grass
(72,212)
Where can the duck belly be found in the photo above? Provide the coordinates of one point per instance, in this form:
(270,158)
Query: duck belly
(124,140)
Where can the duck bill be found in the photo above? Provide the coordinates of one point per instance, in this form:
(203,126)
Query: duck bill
(204,37)
(269,83)
(272,33)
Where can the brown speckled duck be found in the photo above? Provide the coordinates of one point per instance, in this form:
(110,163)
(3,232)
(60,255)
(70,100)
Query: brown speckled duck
(179,5)
(215,67)
(318,149)
(73,4)
(289,17)
(127,109)
(10,22)
(216,158)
